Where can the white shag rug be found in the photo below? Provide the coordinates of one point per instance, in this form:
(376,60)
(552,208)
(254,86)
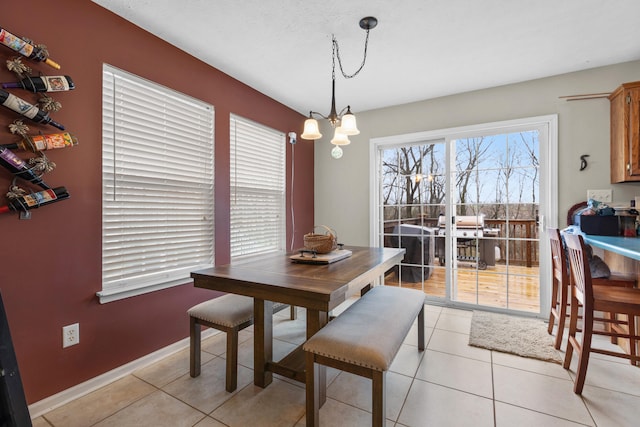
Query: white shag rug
(521,336)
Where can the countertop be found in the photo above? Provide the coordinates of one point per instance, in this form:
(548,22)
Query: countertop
(626,246)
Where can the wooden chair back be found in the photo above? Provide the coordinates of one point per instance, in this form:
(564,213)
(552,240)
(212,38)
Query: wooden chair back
(580,271)
(558,257)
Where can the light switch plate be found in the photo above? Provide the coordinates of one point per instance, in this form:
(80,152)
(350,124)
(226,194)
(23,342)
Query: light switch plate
(603,196)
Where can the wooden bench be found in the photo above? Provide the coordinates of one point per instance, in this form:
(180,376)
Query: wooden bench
(229,313)
(363,340)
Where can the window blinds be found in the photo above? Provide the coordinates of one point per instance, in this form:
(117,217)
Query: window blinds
(157,189)
(257,156)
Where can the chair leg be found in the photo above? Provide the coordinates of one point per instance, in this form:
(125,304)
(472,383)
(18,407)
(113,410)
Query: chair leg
(294,313)
(421,338)
(562,314)
(232,360)
(194,347)
(561,325)
(633,344)
(609,326)
(573,325)
(554,304)
(378,395)
(585,349)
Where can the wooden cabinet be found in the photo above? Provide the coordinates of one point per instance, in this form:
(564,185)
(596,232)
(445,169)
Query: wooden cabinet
(625,133)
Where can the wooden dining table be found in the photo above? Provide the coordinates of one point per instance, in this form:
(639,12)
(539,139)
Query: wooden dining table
(319,288)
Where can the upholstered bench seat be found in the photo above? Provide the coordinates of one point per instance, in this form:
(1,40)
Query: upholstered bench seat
(228,310)
(364,340)
(229,313)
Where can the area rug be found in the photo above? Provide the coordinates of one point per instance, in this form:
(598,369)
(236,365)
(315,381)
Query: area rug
(521,336)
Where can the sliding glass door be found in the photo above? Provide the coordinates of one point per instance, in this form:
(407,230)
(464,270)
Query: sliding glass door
(467,206)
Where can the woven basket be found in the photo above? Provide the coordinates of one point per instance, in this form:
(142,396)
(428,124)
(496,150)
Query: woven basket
(321,243)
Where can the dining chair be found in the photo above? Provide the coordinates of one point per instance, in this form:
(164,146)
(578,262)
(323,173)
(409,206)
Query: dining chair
(606,299)
(561,287)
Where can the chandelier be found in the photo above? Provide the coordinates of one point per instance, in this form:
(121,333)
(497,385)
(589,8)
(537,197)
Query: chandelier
(344,122)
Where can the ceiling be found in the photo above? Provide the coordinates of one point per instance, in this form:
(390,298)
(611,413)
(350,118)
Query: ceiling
(421,49)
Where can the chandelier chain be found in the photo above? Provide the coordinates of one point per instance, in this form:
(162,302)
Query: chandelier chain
(336,52)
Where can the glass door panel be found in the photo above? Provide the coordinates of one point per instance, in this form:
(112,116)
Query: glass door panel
(494,233)
(413,196)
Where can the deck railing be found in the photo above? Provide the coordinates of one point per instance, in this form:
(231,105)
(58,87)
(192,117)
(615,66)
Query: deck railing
(517,239)
(522,240)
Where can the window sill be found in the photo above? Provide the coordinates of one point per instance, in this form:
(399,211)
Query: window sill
(118,294)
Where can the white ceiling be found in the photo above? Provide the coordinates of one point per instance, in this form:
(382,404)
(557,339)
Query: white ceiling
(420,49)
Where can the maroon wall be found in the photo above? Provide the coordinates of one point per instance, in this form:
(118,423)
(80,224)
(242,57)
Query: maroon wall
(51,265)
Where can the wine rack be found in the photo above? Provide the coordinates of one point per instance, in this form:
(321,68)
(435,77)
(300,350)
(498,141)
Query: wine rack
(15,98)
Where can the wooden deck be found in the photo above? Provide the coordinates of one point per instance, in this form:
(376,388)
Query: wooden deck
(512,287)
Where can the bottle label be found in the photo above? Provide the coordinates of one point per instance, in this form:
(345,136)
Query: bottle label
(55,83)
(8,156)
(36,199)
(20,106)
(51,141)
(15,43)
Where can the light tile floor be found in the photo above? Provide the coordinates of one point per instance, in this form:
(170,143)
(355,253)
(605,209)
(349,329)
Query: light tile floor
(450,384)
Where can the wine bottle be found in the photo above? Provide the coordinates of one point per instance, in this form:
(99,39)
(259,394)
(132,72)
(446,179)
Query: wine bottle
(35,200)
(24,48)
(18,167)
(32,112)
(43,84)
(44,142)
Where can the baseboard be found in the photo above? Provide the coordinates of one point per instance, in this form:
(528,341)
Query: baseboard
(43,406)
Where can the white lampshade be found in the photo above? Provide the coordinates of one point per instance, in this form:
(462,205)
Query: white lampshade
(339,138)
(348,124)
(311,129)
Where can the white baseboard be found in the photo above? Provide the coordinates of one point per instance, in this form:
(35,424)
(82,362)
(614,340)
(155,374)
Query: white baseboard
(45,405)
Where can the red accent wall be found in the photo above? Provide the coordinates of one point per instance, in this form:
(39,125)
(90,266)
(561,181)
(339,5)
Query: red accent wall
(50,266)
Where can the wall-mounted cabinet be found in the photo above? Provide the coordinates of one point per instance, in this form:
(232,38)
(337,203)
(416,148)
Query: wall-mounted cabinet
(625,133)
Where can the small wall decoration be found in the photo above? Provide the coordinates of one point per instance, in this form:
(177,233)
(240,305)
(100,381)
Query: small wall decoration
(28,173)
(583,162)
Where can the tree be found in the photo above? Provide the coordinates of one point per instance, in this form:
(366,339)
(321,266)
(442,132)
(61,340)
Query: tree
(412,178)
(469,153)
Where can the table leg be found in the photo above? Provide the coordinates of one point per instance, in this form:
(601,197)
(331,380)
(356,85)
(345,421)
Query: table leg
(316,320)
(365,289)
(263,341)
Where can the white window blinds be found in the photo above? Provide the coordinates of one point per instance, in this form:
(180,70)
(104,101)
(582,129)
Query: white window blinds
(157,186)
(257,188)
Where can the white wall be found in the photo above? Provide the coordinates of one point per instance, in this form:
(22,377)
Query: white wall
(342,186)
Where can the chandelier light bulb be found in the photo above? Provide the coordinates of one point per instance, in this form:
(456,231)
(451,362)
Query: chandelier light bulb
(339,137)
(311,129)
(348,123)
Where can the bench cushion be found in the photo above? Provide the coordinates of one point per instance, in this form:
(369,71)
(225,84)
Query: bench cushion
(371,331)
(228,310)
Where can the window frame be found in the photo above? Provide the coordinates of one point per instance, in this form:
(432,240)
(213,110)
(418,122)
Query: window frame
(259,144)
(157,186)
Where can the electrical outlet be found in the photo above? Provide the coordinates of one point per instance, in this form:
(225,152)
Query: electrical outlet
(599,195)
(70,335)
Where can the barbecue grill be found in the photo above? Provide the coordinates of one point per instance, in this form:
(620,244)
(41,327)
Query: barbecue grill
(419,244)
(474,246)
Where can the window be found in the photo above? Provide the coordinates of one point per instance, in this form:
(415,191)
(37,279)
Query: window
(157,186)
(257,188)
